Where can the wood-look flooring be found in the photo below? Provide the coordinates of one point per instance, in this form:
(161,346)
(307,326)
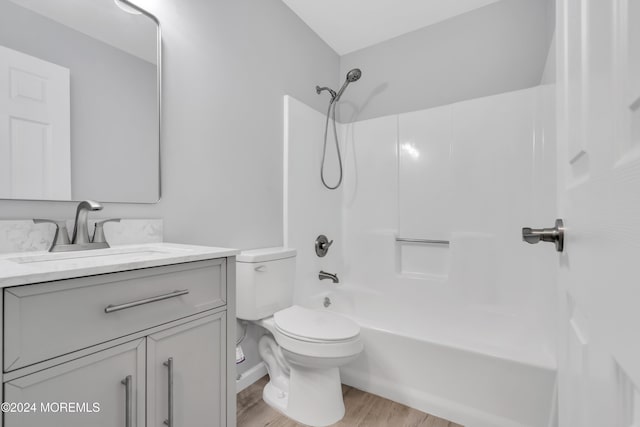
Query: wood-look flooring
(362,410)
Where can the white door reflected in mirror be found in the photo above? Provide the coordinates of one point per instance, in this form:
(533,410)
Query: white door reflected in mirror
(35,151)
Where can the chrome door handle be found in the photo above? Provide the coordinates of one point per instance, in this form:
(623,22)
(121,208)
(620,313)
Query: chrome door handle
(111,308)
(169,364)
(554,235)
(128,411)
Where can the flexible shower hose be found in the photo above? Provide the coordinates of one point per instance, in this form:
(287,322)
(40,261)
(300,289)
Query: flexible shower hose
(331,112)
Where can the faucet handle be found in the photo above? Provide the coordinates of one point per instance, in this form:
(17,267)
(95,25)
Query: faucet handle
(322,245)
(62,235)
(98,231)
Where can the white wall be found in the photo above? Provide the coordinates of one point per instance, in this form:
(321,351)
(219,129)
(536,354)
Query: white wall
(227,65)
(472,173)
(498,48)
(310,209)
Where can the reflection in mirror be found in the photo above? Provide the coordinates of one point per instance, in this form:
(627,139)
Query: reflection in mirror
(79,101)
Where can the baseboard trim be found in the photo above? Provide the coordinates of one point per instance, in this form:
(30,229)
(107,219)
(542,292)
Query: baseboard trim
(250,376)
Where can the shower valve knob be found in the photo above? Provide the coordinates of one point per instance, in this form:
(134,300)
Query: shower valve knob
(322,245)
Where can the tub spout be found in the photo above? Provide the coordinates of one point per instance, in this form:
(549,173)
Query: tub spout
(324,275)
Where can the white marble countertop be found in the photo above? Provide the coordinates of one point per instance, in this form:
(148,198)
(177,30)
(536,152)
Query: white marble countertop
(23,268)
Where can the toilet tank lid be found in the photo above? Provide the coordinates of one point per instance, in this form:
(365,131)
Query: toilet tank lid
(266,254)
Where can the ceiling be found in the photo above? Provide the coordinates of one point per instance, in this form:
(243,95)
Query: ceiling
(104,21)
(349,25)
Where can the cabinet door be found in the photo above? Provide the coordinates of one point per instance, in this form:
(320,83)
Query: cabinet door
(186,374)
(90,391)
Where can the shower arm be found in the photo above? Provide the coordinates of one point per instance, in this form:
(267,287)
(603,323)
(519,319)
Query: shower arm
(331,91)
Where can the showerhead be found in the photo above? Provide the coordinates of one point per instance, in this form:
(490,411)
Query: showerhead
(352,76)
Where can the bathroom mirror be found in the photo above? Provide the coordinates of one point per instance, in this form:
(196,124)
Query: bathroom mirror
(79,101)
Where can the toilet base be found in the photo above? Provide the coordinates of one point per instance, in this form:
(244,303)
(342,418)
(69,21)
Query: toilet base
(314,396)
(305,388)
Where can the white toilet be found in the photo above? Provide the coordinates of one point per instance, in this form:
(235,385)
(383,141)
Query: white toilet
(305,347)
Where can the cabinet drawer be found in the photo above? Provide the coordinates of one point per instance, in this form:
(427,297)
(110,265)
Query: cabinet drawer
(47,320)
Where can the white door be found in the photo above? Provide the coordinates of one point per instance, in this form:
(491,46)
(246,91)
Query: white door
(100,378)
(599,199)
(35,135)
(186,375)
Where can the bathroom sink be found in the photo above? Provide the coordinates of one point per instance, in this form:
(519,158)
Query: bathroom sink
(20,268)
(126,253)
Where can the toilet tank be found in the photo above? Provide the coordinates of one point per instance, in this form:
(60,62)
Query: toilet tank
(264,282)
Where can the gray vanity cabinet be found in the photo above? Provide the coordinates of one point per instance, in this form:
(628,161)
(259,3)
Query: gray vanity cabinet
(45,320)
(184,364)
(97,378)
(152,347)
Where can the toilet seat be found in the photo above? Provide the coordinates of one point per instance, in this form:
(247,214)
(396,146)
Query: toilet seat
(314,325)
(309,338)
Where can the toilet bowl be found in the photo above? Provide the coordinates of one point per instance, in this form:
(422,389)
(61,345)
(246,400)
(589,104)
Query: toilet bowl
(312,345)
(302,348)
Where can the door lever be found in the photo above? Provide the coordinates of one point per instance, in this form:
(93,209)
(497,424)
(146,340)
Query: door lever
(553,235)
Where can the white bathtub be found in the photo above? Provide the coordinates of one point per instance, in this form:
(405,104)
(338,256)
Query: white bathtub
(476,367)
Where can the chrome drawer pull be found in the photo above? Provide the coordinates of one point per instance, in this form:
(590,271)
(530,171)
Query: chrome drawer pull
(128,411)
(169,364)
(111,308)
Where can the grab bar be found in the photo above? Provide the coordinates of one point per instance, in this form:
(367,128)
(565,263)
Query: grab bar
(425,241)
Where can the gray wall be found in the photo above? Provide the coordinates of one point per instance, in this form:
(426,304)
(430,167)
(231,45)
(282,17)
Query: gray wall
(494,49)
(549,74)
(114,120)
(227,66)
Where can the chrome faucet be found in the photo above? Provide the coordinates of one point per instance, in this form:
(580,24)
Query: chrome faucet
(81,229)
(324,275)
(80,240)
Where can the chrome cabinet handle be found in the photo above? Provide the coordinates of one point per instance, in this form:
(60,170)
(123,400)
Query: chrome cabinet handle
(111,308)
(128,411)
(169,364)
(554,235)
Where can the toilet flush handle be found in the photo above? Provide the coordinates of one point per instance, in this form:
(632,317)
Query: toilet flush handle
(261,268)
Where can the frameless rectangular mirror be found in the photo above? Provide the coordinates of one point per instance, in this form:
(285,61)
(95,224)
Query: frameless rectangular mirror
(79,101)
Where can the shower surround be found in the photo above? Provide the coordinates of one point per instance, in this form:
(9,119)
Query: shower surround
(461,329)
